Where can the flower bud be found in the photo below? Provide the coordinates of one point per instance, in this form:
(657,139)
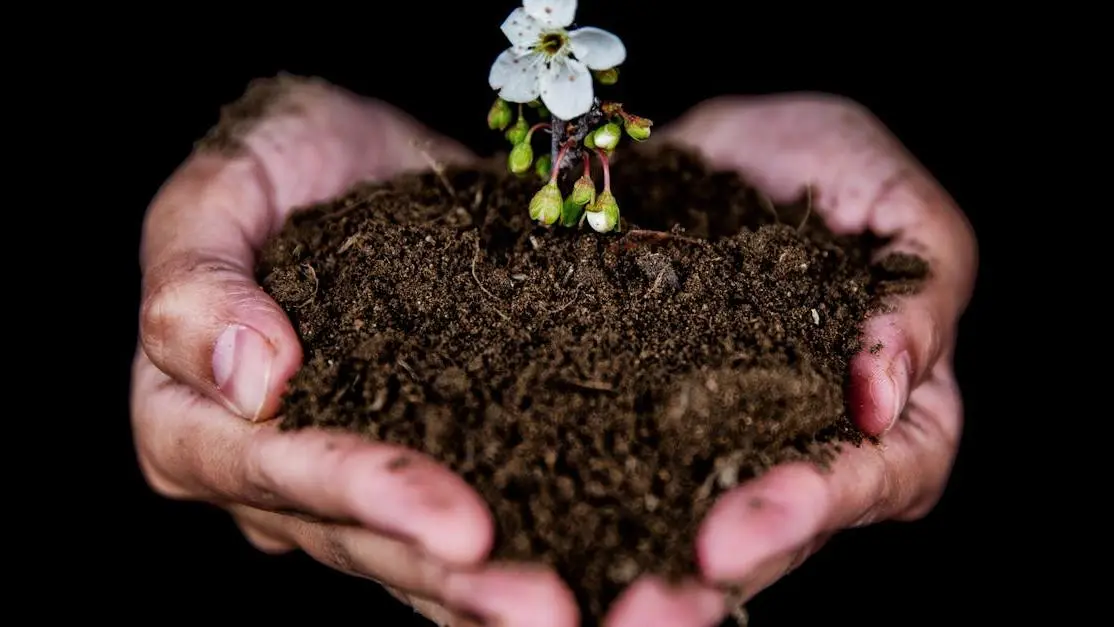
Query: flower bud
(571,212)
(607,77)
(544,166)
(607,136)
(500,115)
(603,216)
(583,191)
(590,140)
(521,158)
(518,132)
(547,204)
(637,127)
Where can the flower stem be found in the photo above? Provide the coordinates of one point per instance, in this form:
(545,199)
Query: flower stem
(537,127)
(587,168)
(557,134)
(606,170)
(560,155)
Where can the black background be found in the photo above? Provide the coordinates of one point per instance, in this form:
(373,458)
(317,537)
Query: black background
(931,82)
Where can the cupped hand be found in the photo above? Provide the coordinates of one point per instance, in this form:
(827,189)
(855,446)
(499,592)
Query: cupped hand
(216,351)
(905,392)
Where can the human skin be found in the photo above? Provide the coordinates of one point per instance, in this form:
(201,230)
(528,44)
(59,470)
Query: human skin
(215,352)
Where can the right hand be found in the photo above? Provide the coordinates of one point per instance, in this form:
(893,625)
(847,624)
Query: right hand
(216,352)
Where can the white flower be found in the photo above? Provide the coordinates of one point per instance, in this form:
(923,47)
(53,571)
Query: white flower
(549,61)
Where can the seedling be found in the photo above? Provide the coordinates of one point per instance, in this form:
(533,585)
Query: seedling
(550,72)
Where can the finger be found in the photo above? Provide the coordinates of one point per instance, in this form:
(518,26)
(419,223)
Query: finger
(650,602)
(406,573)
(864,180)
(432,610)
(192,448)
(265,537)
(771,571)
(355,551)
(204,320)
(788,507)
(514,596)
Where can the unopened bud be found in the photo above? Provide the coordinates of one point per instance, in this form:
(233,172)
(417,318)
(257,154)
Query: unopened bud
(521,158)
(500,115)
(571,212)
(590,140)
(637,127)
(603,216)
(607,77)
(583,191)
(607,136)
(546,205)
(518,132)
(544,166)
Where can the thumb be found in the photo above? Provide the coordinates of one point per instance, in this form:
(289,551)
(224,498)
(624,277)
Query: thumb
(204,321)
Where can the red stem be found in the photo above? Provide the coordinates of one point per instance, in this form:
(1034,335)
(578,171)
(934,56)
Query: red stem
(538,126)
(587,167)
(560,155)
(606,170)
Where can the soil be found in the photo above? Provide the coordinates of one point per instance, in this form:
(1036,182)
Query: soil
(599,391)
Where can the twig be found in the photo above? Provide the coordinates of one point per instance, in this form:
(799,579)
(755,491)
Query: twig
(657,283)
(595,386)
(476,278)
(657,236)
(808,207)
(437,167)
(355,204)
(311,273)
(572,300)
(405,366)
(768,205)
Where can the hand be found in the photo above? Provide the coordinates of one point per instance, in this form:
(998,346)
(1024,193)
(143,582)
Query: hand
(905,393)
(216,351)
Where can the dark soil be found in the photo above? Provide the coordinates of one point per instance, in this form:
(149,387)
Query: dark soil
(598,391)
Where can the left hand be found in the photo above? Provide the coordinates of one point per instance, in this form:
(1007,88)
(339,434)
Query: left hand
(905,393)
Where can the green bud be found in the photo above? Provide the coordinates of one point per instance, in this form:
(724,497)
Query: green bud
(500,115)
(607,77)
(542,111)
(607,136)
(546,205)
(518,132)
(543,166)
(571,212)
(638,128)
(521,158)
(603,215)
(583,191)
(590,140)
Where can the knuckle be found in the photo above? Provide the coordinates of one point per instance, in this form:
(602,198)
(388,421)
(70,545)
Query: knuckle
(262,540)
(170,294)
(334,549)
(158,480)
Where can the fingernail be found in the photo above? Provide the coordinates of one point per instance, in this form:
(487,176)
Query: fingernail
(242,362)
(900,370)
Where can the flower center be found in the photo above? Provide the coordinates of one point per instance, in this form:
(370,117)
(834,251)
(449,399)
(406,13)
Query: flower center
(552,43)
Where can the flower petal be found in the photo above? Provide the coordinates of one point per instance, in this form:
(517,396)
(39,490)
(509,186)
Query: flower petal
(553,13)
(597,48)
(517,77)
(566,88)
(522,30)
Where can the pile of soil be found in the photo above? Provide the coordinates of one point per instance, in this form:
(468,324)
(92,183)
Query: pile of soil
(599,391)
